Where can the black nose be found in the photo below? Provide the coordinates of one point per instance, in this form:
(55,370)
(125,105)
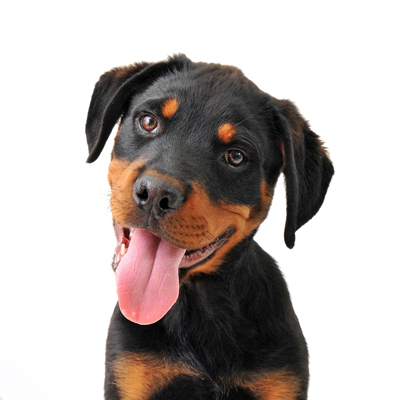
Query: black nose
(156,196)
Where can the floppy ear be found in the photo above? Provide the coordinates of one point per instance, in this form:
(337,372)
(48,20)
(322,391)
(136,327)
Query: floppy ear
(111,96)
(307,168)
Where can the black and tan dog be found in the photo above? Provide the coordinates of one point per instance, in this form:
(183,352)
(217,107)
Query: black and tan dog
(203,312)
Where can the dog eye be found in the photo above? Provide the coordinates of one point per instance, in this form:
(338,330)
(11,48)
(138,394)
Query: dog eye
(148,123)
(235,157)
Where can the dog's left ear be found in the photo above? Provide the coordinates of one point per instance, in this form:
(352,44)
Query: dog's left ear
(112,93)
(307,167)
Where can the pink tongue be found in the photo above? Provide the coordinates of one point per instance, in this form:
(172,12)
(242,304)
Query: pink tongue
(148,278)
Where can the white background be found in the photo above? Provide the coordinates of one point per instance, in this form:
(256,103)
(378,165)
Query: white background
(337,61)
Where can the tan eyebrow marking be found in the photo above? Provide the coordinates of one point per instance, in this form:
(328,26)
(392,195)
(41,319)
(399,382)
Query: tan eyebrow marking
(226,132)
(170,107)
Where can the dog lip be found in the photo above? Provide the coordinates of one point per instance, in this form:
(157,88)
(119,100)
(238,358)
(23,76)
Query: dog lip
(195,257)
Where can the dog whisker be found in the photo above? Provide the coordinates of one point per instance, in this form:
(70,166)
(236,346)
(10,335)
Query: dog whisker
(245,119)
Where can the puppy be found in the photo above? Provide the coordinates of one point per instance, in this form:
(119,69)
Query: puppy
(203,311)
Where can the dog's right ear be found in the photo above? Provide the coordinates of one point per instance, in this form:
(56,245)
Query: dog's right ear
(112,94)
(307,167)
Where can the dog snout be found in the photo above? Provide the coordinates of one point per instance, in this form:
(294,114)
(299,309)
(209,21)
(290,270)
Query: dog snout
(157,197)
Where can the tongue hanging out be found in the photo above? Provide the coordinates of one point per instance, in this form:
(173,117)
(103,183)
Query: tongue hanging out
(147,271)
(148,278)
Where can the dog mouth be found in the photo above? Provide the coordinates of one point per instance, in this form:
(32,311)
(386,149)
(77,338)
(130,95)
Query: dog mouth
(147,271)
(191,258)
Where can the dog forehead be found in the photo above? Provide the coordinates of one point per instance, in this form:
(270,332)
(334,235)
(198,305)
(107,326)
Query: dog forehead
(207,76)
(210,88)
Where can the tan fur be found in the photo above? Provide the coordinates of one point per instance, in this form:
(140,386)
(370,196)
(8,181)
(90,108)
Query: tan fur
(137,377)
(226,133)
(170,107)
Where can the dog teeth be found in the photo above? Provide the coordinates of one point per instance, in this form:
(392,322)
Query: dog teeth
(123,249)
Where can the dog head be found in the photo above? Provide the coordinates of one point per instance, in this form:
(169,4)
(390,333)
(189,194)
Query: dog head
(196,158)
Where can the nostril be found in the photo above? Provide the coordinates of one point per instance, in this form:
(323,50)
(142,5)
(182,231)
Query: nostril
(164,204)
(142,194)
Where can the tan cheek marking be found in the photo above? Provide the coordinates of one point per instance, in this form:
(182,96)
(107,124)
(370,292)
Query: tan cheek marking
(213,220)
(138,377)
(170,107)
(244,219)
(115,169)
(121,175)
(226,132)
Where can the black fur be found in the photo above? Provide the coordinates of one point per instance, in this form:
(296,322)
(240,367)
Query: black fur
(238,319)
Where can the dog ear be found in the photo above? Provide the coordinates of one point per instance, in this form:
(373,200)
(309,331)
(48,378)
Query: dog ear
(307,168)
(112,94)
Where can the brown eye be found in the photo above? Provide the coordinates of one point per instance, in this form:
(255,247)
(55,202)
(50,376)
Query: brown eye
(235,158)
(148,123)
